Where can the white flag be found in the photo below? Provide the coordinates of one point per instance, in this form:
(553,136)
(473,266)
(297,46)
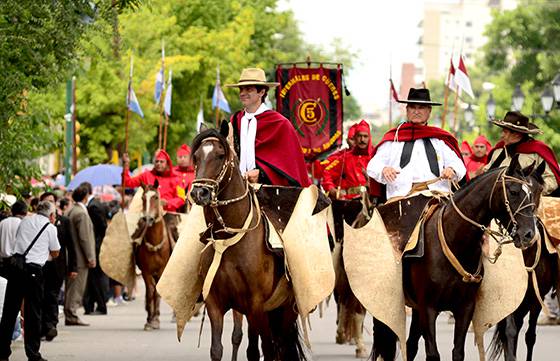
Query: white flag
(199,119)
(167,100)
(462,78)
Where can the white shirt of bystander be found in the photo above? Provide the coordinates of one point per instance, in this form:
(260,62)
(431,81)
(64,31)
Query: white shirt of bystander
(8,231)
(47,241)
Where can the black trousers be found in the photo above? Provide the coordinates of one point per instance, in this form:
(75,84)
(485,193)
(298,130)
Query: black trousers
(96,290)
(22,285)
(53,284)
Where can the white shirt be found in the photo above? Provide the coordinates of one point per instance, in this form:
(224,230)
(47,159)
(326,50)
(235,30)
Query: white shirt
(247,135)
(47,241)
(417,170)
(8,230)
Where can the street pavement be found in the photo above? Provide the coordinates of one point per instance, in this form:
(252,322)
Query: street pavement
(119,336)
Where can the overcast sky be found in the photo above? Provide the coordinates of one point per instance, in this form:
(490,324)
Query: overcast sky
(382,32)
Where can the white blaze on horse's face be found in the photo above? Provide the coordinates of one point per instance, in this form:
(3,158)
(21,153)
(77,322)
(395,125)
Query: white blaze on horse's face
(207,149)
(149,211)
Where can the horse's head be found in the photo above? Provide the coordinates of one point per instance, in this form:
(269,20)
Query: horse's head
(517,194)
(214,163)
(151,205)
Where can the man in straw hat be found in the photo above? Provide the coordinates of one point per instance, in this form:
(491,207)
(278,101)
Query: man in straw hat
(516,139)
(266,142)
(415,156)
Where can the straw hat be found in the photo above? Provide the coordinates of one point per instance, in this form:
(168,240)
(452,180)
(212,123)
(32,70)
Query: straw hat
(518,123)
(252,76)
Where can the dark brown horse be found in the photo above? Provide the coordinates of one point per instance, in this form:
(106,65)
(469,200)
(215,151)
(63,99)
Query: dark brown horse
(248,273)
(433,284)
(545,266)
(153,250)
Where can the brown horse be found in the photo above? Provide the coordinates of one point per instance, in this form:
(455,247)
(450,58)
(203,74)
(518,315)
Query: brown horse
(248,273)
(545,266)
(433,283)
(154,249)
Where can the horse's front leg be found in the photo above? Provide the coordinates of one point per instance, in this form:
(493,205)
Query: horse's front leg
(463,317)
(341,338)
(216,315)
(157,298)
(413,337)
(253,353)
(427,318)
(531,335)
(514,322)
(237,334)
(149,302)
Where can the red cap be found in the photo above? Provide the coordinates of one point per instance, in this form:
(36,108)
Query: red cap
(481,139)
(351,132)
(465,147)
(183,150)
(162,155)
(362,126)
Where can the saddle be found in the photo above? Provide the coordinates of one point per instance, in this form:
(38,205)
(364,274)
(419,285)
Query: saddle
(404,219)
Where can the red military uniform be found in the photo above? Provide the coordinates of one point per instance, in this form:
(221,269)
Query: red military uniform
(348,170)
(474,163)
(184,175)
(319,167)
(167,181)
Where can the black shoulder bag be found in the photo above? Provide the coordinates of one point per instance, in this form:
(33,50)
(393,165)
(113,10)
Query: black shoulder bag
(17,261)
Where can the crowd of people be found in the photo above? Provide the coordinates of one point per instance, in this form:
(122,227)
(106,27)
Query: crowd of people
(60,235)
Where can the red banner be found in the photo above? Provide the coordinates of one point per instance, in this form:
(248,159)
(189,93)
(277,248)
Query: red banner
(311,98)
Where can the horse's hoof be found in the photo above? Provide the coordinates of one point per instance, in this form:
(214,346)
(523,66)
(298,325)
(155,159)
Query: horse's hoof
(361,353)
(155,325)
(148,327)
(340,339)
(351,342)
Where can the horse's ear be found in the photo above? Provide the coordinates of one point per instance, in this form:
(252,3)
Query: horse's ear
(513,165)
(538,173)
(156,184)
(224,128)
(203,127)
(529,170)
(143,186)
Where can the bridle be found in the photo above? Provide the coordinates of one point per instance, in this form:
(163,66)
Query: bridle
(502,237)
(213,186)
(151,247)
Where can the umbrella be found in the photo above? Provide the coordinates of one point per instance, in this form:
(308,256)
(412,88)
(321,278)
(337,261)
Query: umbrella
(97,175)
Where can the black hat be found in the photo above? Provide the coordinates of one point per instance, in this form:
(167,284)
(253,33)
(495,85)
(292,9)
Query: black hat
(419,96)
(517,122)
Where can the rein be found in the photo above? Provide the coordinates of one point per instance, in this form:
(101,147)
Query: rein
(151,247)
(501,238)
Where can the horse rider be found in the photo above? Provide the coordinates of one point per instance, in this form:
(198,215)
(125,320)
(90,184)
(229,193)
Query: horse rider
(163,173)
(266,142)
(184,170)
(479,157)
(517,138)
(415,156)
(319,167)
(345,177)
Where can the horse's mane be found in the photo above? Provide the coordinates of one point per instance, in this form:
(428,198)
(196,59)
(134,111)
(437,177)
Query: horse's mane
(474,182)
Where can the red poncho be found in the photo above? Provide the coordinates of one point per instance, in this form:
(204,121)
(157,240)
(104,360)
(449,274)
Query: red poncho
(277,149)
(167,182)
(538,147)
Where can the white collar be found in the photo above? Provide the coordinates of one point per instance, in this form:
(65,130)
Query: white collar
(261,109)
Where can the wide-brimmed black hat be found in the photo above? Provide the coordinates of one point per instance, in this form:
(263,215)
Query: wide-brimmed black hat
(419,96)
(517,122)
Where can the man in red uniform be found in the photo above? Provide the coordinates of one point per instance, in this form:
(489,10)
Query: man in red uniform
(319,166)
(163,173)
(266,142)
(345,177)
(478,159)
(184,169)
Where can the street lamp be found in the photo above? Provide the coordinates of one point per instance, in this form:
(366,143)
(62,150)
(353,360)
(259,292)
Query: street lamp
(491,107)
(547,100)
(518,98)
(556,88)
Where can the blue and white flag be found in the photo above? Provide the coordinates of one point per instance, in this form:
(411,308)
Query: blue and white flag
(133,104)
(167,100)
(159,86)
(218,98)
(199,118)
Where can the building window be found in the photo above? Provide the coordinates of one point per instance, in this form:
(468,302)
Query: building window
(468,24)
(468,39)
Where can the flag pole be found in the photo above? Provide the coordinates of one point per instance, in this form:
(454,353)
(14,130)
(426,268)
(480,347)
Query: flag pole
(126,129)
(390,95)
(160,101)
(165,133)
(217,96)
(445,99)
(456,110)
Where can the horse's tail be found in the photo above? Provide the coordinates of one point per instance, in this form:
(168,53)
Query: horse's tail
(286,336)
(384,342)
(496,347)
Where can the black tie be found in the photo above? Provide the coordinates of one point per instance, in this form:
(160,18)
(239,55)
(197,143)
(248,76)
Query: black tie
(432,156)
(406,153)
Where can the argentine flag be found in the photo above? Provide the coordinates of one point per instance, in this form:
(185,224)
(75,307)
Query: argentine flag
(219,100)
(167,100)
(159,86)
(133,104)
